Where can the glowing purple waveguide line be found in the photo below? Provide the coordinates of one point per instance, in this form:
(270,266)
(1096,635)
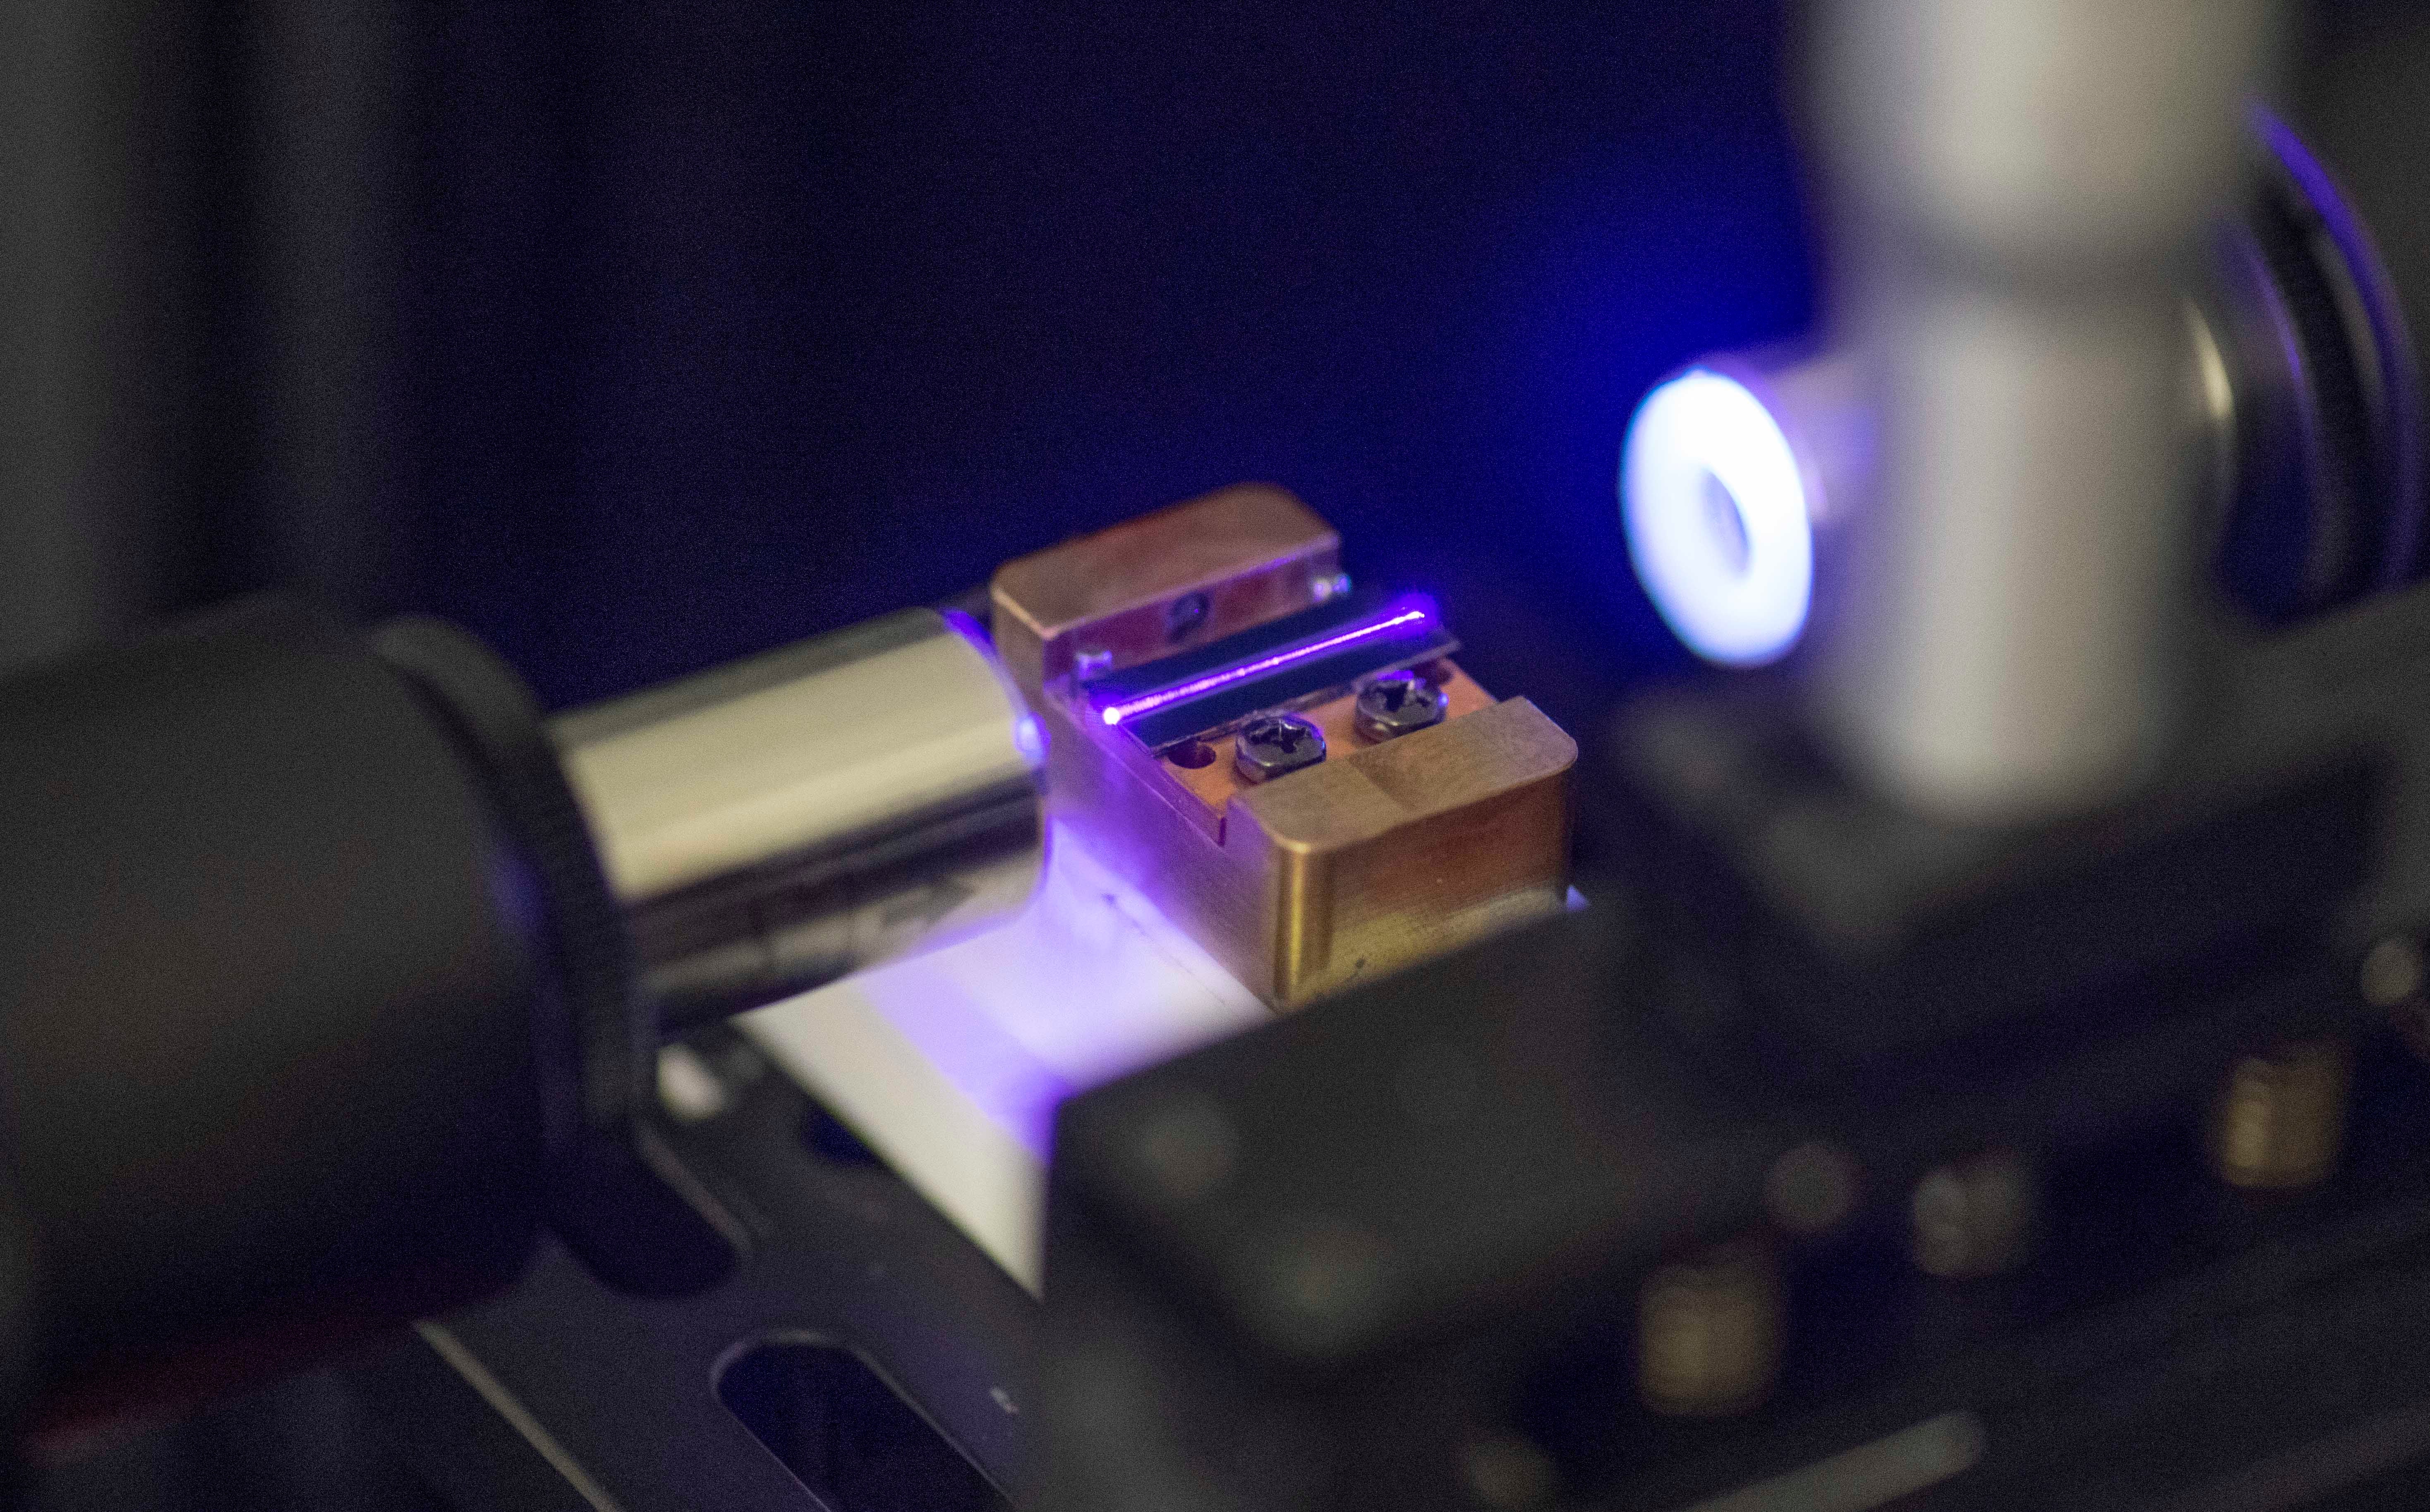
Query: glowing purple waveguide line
(1394,615)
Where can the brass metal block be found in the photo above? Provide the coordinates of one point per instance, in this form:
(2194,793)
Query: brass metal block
(1376,858)
(1225,561)
(1379,859)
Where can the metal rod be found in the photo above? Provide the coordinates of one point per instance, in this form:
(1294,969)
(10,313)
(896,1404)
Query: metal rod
(2021,185)
(776,824)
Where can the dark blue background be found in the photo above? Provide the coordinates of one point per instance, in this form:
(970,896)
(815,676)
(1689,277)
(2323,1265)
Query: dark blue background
(740,321)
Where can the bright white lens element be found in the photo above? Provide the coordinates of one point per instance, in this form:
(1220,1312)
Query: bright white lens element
(1715,507)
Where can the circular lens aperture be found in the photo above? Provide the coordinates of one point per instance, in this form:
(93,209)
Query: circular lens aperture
(1716,512)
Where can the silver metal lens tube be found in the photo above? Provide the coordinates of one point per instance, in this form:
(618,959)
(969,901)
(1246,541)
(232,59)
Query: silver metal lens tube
(2022,185)
(775,825)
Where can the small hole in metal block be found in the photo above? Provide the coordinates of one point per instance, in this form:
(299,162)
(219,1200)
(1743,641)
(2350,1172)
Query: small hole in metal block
(1183,617)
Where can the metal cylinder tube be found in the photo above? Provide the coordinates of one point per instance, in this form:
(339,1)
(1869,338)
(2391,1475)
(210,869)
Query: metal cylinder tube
(2021,185)
(268,1063)
(1742,471)
(777,823)
(2013,642)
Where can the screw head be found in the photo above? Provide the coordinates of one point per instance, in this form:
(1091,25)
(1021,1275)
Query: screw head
(2280,1120)
(1270,745)
(1710,1332)
(2392,972)
(1974,1217)
(1509,1472)
(1397,703)
(1811,1188)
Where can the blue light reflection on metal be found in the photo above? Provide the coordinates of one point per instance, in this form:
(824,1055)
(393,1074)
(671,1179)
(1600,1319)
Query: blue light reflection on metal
(1714,502)
(1029,739)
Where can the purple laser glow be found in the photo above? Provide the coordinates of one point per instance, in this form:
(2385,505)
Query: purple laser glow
(1394,616)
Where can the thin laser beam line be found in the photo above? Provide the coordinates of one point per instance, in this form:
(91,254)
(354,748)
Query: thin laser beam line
(1197,686)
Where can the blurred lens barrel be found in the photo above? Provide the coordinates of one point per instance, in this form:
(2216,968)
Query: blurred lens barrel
(312,999)
(775,825)
(2326,423)
(2298,415)
(2022,185)
(2356,92)
(270,1073)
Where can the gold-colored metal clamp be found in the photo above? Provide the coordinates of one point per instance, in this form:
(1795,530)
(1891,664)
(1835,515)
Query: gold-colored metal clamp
(1383,854)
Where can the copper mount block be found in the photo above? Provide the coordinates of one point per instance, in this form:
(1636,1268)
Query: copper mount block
(1145,647)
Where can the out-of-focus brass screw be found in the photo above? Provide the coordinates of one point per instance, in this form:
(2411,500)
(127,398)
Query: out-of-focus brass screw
(1510,1471)
(2281,1119)
(1974,1217)
(2392,972)
(1710,1332)
(1812,1187)
(2392,977)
